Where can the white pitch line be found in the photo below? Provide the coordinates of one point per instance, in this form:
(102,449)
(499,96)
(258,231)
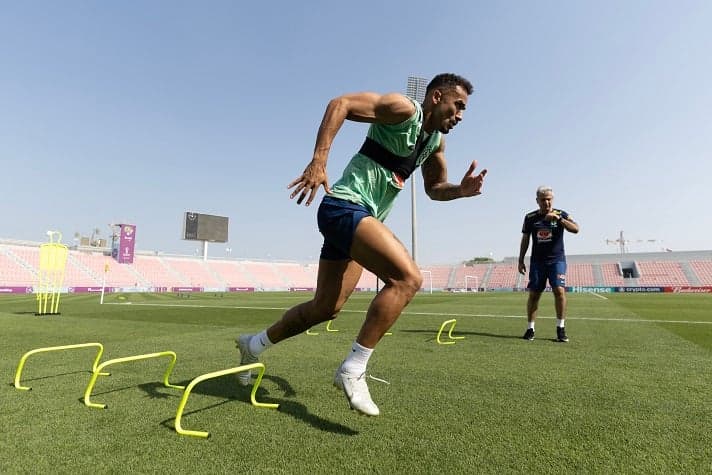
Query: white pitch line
(439,314)
(599,296)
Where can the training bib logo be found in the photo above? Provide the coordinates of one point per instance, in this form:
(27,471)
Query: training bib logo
(543,235)
(400,182)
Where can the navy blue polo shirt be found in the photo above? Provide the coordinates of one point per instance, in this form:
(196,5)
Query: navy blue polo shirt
(547,237)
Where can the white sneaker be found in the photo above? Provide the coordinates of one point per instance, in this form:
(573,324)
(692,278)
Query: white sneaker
(243,344)
(356,391)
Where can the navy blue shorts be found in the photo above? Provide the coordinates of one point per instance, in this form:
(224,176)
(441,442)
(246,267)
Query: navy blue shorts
(540,272)
(337,220)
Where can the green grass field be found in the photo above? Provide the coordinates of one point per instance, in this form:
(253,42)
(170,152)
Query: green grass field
(630,393)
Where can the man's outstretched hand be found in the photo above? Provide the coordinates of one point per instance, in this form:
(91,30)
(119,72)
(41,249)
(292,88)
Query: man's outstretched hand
(308,183)
(471,184)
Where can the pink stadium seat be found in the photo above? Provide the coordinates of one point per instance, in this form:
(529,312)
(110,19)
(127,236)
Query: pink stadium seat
(156,273)
(194,271)
(611,275)
(13,273)
(266,274)
(703,270)
(470,276)
(368,281)
(661,273)
(298,275)
(440,276)
(19,266)
(580,274)
(93,264)
(503,276)
(232,274)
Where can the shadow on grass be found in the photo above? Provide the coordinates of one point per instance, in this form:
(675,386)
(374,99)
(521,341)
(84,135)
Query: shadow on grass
(115,390)
(456,332)
(299,411)
(227,387)
(51,376)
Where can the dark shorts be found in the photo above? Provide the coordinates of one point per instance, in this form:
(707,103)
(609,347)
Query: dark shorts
(337,220)
(540,272)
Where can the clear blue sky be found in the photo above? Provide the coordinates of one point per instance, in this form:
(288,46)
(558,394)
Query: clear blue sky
(139,111)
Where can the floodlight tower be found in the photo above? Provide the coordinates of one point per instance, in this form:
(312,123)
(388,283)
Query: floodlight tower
(415,90)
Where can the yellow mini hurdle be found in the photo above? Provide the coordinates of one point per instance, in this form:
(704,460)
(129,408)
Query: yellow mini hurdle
(449,333)
(20,366)
(97,372)
(195,433)
(328,329)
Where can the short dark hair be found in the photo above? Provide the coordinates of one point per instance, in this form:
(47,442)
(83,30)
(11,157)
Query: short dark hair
(446,80)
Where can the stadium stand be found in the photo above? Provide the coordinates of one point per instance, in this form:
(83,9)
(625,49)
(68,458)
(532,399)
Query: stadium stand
(156,272)
(298,275)
(612,276)
(580,274)
(703,271)
(195,272)
(13,272)
(368,281)
(436,276)
(661,273)
(19,267)
(503,276)
(266,274)
(469,276)
(232,274)
(94,264)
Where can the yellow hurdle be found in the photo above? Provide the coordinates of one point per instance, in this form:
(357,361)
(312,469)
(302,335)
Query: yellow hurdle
(18,373)
(328,329)
(53,260)
(449,333)
(97,372)
(238,369)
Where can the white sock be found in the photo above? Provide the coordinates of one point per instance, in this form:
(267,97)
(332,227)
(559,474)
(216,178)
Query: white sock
(259,343)
(357,360)
(560,322)
(531,325)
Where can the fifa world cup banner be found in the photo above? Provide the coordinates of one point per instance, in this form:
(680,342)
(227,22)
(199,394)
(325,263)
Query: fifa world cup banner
(124,252)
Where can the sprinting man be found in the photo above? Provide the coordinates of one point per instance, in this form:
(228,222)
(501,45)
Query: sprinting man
(403,135)
(548,260)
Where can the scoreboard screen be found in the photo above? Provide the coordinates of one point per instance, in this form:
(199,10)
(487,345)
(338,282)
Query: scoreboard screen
(204,227)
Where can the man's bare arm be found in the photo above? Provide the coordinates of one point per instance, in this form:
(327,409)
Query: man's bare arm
(435,178)
(523,247)
(360,107)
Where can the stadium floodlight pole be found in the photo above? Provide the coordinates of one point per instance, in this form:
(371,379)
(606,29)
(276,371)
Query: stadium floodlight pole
(415,90)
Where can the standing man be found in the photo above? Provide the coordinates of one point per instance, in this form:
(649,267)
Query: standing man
(402,136)
(548,261)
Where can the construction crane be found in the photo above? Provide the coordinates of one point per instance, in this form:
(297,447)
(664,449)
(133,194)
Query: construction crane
(623,243)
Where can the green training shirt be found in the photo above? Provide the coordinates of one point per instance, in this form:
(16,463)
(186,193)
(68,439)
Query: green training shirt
(370,184)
